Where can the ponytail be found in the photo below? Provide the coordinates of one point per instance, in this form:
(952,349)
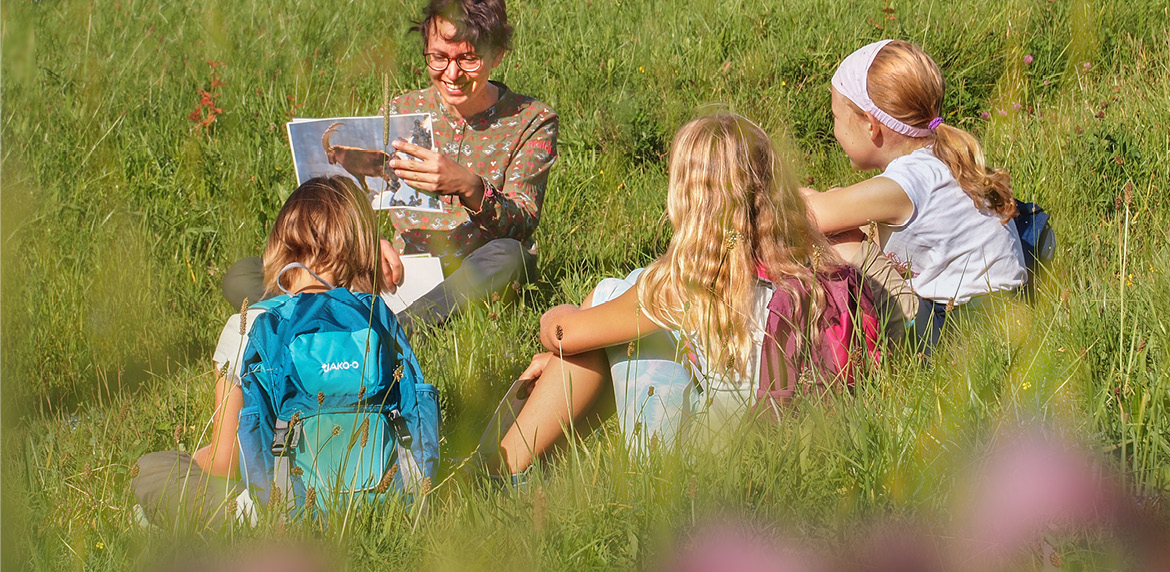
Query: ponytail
(991,189)
(905,83)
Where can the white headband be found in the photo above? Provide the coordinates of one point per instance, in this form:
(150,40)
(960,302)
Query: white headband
(850,81)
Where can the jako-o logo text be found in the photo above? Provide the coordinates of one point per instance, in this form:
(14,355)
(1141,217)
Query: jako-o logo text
(328,367)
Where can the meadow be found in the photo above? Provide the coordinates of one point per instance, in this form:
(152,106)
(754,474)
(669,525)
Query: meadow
(143,151)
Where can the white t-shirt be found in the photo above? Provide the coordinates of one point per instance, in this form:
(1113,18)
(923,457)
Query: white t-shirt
(948,248)
(735,383)
(230,348)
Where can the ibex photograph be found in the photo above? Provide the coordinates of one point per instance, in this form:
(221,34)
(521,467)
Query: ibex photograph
(355,146)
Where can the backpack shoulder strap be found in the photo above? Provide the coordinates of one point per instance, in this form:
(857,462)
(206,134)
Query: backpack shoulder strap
(780,363)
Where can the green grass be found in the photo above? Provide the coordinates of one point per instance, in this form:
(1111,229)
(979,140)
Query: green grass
(120,215)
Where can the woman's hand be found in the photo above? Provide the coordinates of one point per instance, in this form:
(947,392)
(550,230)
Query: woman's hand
(437,173)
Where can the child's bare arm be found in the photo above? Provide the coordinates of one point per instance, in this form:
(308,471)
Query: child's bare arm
(570,330)
(221,456)
(878,199)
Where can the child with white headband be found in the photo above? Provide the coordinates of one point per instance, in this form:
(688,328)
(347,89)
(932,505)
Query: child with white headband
(936,211)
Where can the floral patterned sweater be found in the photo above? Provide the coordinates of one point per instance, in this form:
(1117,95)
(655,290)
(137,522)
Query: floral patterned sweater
(511,146)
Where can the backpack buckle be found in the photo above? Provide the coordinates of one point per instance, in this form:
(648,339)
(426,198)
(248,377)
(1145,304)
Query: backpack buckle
(285,438)
(401,431)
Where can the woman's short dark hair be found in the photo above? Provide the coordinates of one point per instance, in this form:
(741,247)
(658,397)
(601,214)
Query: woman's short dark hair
(481,23)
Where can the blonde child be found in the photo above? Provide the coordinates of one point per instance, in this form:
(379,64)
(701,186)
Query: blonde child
(942,240)
(325,236)
(687,329)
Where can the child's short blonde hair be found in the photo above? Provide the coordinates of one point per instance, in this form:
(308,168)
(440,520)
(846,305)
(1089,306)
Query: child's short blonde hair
(327,225)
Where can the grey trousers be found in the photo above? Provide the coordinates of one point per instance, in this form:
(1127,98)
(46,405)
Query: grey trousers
(173,490)
(499,267)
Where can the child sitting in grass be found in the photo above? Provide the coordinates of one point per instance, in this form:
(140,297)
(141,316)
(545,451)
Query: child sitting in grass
(327,226)
(690,323)
(939,213)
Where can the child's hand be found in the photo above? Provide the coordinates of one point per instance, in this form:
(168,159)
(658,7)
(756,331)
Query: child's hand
(391,266)
(535,370)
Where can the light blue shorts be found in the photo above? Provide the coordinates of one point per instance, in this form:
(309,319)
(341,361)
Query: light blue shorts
(655,391)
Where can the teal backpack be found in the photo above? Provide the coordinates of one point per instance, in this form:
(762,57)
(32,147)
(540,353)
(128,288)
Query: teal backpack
(335,407)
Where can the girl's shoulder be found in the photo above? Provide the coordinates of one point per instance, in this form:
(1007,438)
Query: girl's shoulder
(919,173)
(920,160)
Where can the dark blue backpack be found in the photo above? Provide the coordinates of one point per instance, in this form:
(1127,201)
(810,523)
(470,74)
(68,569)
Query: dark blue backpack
(1036,237)
(335,407)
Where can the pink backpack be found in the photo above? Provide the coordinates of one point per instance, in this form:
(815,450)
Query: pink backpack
(848,330)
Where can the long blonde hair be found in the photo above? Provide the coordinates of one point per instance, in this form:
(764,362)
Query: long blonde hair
(904,82)
(734,207)
(327,225)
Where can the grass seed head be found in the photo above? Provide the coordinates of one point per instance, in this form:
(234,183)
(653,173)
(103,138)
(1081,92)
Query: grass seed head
(134,470)
(730,240)
(336,430)
(650,391)
(398,373)
(1055,559)
(310,497)
(365,432)
(387,478)
(273,497)
(693,487)
(630,350)
(1128,192)
(320,398)
(560,333)
(244,316)
(425,489)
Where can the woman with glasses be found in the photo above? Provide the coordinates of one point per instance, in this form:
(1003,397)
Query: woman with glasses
(494,148)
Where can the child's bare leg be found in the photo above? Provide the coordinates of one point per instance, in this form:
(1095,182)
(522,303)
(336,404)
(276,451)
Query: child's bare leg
(568,387)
